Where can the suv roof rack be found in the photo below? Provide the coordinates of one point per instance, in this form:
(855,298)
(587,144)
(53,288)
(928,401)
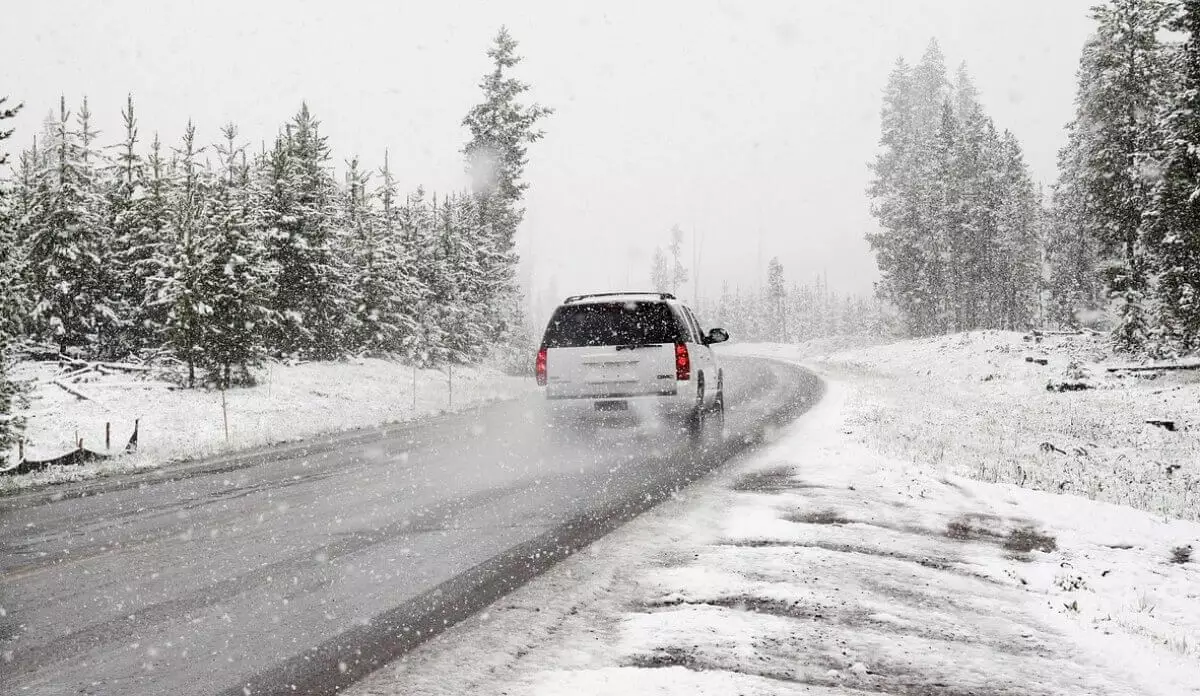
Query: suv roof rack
(659,295)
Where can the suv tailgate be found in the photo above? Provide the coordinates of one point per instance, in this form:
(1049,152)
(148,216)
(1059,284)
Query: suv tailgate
(611,371)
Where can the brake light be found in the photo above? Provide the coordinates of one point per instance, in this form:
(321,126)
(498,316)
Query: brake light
(683,362)
(541,367)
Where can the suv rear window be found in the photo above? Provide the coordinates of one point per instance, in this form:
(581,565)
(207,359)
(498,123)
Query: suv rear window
(611,324)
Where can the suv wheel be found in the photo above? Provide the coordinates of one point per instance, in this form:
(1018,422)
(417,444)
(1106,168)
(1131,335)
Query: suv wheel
(698,418)
(718,409)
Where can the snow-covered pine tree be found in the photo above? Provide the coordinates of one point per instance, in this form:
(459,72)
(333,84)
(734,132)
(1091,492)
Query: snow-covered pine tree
(397,262)
(310,298)
(181,286)
(1073,250)
(152,248)
(104,281)
(10,272)
(238,279)
(1173,229)
(12,209)
(65,240)
(776,307)
(425,345)
(1120,89)
(380,290)
(906,197)
(463,321)
(679,272)
(975,262)
(135,240)
(930,92)
(501,129)
(948,253)
(660,271)
(1017,266)
(32,184)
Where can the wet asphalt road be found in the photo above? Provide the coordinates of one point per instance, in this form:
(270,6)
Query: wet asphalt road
(301,569)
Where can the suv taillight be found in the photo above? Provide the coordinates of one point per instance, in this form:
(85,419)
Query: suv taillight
(541,367)
(683,362)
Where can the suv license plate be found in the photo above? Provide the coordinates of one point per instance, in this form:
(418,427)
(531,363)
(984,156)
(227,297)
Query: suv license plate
(612,405)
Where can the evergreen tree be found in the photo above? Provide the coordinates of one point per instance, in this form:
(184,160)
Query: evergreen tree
(237,278)
(661,277)
(894,201)
(300,213)
(150,251)
(957,246)
(136,240)
(1174,221)
(10,425)
(501,129)
(382,291)
(1121,81)
(398,263)
(182,288)
(977,267)
(909,199)
(65,241)
(776,296)
(948,245)
(1016,267)
(12,209)
(426,344)
(462,319)
(679,273)
(1073,252)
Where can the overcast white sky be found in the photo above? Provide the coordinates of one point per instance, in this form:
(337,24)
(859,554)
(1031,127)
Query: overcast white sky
(751,122)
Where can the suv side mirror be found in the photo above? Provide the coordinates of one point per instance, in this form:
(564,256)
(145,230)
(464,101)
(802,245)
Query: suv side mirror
(716,336)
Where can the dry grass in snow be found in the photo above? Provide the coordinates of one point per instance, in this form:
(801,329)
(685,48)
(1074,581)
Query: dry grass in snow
(288,403)
(973,405)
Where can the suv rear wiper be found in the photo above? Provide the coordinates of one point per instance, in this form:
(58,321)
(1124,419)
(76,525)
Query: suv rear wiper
(635,346)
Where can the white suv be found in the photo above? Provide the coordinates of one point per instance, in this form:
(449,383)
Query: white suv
(639,352)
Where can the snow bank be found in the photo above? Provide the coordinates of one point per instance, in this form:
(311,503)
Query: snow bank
(289,402)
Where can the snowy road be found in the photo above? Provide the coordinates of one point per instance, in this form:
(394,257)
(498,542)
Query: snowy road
(306,567)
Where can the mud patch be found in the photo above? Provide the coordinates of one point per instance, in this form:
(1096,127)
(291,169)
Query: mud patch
(992,529)
(817,517)
(773,480)
(666,657)
(1027,539)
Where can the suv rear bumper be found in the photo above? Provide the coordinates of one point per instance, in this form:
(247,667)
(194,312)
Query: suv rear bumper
(678,403)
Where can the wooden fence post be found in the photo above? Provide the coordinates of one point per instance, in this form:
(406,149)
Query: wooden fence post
(107,436)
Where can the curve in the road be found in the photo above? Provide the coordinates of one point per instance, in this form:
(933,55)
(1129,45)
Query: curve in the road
(302,569)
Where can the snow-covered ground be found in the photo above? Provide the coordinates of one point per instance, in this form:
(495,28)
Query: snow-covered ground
(288,403)
(832,561)
(978,405)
